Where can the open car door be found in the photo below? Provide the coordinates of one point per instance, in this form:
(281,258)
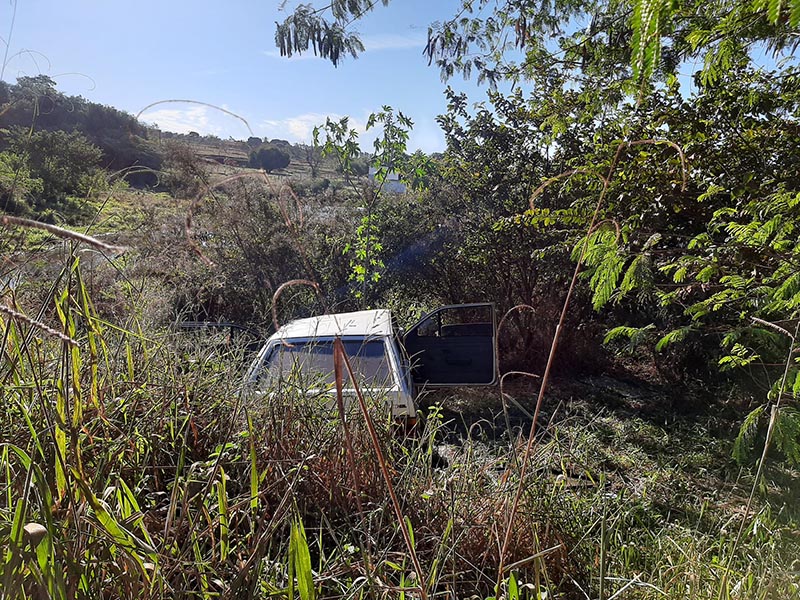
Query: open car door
(454,346)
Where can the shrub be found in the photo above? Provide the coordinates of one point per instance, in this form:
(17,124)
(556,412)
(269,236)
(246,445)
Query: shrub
(270,158)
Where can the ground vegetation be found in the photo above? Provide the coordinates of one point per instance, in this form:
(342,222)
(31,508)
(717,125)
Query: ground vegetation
(664,457)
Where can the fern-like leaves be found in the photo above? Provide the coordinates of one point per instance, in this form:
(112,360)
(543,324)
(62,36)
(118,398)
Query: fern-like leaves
(774,8)
(635,336)
(649,17)
(787,434)
(747,434)
(674,336)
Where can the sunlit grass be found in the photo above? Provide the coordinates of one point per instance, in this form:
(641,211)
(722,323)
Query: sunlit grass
(131,467)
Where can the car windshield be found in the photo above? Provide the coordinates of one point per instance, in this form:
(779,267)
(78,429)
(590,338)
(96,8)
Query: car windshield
(311,362)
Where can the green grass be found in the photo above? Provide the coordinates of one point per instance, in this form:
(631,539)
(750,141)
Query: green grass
(130,467)
(153,478)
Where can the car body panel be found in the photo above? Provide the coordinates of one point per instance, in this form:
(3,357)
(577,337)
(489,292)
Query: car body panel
(458,355)
(454,346)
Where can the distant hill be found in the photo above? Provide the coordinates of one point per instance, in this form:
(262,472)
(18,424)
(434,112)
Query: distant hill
(35,102)
(237,153)
(56,150)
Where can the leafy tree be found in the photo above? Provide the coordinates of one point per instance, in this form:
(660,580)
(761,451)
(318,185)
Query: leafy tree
(123,141)
(341,143)
(18,189)
(389,155)
(35,102)
(269,158)
(313,158)
(516,39)
(184,173)
(65,163)
(697,233)
(38,86)
(721,255)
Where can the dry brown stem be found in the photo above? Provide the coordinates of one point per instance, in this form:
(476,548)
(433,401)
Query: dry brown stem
(280,290)
(62,233)
(18,316)
(214,106)
(398,512)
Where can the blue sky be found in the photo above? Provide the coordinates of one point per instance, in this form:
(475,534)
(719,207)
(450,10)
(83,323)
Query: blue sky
(130,55)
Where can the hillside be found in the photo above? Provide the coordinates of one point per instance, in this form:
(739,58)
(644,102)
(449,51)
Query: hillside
(88,146)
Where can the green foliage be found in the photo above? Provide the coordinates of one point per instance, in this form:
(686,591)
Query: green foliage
(132,452)
(600,253)
(270,158)
(787,433)
(739,356)
(18,188)
(389,157)
(307,28)
(34,104)
(636,336)
(300,563)
(747,432)
(365,264)
(674,336)
(647,22)
(64,163)
(517,39)
(341,142)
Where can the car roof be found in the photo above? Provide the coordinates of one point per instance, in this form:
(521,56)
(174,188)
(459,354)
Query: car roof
(361,323)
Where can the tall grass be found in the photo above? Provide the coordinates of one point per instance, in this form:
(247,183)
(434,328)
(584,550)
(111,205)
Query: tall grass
(131,467)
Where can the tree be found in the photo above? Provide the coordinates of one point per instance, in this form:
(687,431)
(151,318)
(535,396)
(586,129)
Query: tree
(123,140)
(37,86)
(185,175)
(516,39)
(65,163)
(717,261)
(18,188)
(313,158)
(696,236)
(389,156)
(269,158)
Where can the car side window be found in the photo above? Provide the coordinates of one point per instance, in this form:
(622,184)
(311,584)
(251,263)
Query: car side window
(429,327)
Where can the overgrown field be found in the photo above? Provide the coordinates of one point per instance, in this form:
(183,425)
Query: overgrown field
(666,269)
(132,468)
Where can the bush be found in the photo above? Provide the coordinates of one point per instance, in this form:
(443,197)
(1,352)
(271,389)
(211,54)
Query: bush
(270,158)
(65,163)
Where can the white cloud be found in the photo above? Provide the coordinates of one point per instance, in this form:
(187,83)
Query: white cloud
(183,120)
(426,134)
(205,119)
(392,41)
(300,128)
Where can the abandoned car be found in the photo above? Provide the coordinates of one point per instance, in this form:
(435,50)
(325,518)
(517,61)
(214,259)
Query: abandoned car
(452,346)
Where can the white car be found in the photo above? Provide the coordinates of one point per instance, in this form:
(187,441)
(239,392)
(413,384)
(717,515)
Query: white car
(453,346)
